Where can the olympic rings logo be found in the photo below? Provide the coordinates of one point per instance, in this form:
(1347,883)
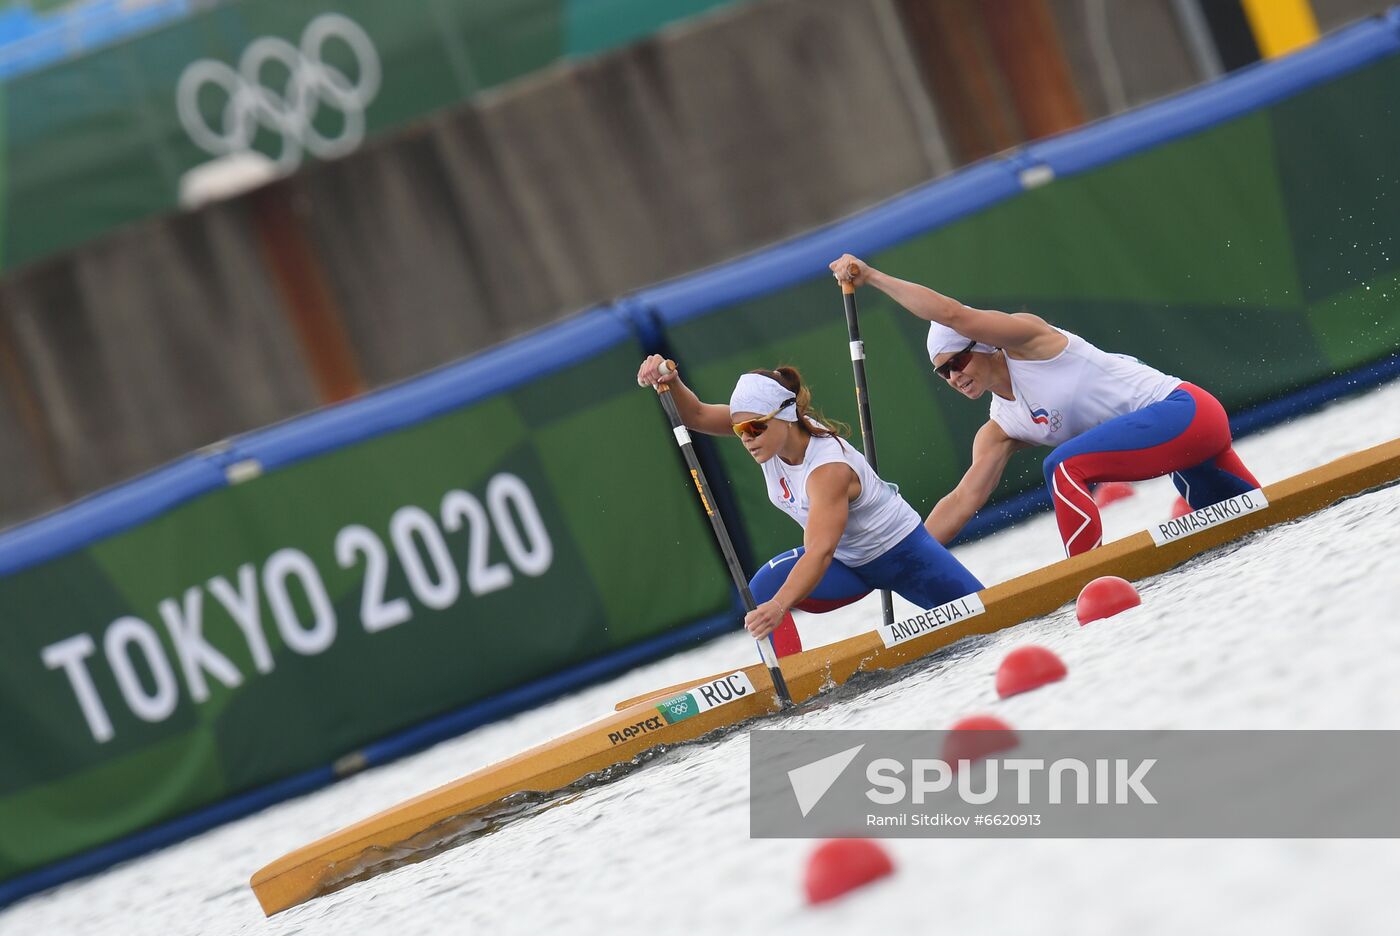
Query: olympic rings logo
(291,110)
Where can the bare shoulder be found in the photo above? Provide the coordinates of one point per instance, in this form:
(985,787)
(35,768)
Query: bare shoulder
(833,472)
(1044,341)
(1031,317)
(835,479)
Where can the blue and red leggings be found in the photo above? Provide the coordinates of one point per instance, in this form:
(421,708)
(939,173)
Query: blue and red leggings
(1187,435)
(918,568)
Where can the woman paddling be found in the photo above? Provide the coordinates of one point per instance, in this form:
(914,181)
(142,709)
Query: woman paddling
(1109,417)
(859,534)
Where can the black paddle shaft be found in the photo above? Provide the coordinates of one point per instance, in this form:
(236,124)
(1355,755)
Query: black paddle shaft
(726,546)
(867,428)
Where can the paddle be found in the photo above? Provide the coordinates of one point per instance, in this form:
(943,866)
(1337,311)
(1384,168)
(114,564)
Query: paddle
(867,429)
(765,646)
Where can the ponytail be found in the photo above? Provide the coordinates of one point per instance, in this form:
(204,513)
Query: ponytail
(810,420)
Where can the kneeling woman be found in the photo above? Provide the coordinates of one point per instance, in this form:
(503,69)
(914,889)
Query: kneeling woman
(860,535)
(1108,417)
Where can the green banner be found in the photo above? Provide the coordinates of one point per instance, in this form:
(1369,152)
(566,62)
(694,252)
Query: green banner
(256,89)
(280,623)
(1252,259)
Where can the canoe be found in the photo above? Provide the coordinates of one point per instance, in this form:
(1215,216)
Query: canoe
(689,710)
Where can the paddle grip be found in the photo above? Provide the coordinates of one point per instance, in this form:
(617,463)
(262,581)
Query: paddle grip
(668,366)
(847,286)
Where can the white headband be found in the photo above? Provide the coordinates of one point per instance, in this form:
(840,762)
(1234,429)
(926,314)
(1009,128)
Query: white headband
(943,340)
(755,393)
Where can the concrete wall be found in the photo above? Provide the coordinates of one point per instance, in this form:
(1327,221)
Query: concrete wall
(1124,54)
(566,189)
(1334,13)
(582,184)
(137,349)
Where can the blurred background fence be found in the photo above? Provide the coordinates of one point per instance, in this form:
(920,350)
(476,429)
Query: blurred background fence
(501,165)
(488,530)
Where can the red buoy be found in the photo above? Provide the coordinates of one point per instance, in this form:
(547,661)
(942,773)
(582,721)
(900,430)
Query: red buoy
(1180,508)
(1027,668)
(1104,597)
(841,865)
(977,736)
(1111,491)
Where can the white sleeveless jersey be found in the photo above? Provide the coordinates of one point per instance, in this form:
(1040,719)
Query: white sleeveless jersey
(879,518)
(1078,389)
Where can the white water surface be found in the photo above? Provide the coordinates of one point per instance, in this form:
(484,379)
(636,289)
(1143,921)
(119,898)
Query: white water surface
(1296,627)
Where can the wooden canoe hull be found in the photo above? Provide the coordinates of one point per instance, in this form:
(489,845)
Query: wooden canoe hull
(645,724)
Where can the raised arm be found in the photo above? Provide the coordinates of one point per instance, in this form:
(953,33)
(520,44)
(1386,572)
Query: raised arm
(991,450)
(1022,333)
(709,418)
(830,488)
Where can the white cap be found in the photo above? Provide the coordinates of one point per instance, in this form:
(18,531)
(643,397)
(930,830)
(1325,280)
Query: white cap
(943,340)
(755,393)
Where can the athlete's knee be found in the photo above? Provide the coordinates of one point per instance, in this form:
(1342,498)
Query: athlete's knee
(1209,429)
(1067,475)
(1207,405)
(764,585)
(772,574)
